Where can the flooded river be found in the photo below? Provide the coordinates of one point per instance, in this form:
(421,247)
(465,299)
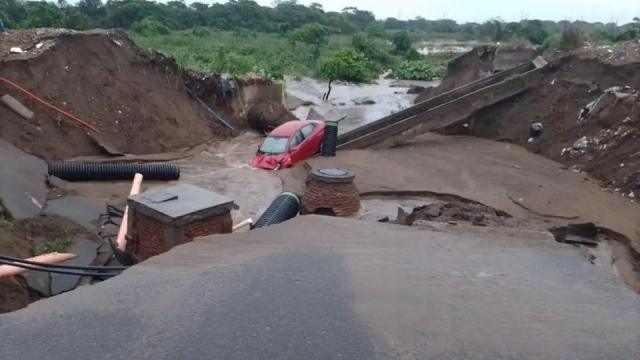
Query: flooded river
(361,104)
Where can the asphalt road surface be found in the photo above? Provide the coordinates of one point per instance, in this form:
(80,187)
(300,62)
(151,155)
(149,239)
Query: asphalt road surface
(325,288)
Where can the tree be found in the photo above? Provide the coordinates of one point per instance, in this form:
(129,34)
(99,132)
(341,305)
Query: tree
(376,30)
(313,34)
(43,14)
(345,65)
(401,42)
(378,59)
(534,31)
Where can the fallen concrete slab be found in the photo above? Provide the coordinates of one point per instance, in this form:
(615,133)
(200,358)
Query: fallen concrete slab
(322,288)
(51,284)
(76,208)
(87,251)
(22,182)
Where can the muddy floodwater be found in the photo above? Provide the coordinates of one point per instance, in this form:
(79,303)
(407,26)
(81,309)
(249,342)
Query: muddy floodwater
(361,104)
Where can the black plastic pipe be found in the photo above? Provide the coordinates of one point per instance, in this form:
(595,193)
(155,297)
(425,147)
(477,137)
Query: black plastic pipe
(74,171)
(330,140)
(284,207)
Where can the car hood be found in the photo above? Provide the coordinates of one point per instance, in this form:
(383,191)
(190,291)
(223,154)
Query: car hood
(266,161)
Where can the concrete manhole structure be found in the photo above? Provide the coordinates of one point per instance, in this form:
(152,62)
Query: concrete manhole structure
(331,192)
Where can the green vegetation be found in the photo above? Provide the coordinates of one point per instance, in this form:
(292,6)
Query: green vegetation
(57,244)
(5,223)
(240,37)
(346,65)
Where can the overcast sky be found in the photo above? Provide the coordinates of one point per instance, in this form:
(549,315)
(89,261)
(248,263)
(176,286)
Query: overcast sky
(621,11)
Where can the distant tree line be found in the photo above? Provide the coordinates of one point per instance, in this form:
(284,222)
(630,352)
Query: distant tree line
(284,16)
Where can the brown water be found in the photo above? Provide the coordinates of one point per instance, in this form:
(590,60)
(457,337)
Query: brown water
(389,96)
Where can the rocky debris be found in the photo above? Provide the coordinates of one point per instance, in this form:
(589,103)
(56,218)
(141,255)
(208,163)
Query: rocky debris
(581,144)
(416,89)
(364,102)
(617,54)
(464,213)
(475,214)
(576,234)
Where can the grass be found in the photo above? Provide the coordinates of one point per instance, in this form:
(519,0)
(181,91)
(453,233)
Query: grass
(57,244)
(240,53)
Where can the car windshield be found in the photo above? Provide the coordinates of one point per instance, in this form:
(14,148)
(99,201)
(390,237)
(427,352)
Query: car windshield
(274,145)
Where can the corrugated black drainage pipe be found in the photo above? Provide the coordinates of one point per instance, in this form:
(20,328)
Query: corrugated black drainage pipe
(330,141)
(74,171)
(284,207)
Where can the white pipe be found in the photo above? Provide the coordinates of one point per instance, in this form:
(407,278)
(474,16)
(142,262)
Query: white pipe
(248,221)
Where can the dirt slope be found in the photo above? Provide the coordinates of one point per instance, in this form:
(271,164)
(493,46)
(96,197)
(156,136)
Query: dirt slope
(574,80)
(476,64)
(98,76)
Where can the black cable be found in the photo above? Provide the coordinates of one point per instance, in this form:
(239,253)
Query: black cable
(58,271)
(62,266)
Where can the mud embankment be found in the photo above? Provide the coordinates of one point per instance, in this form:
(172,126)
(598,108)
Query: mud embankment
(137,100)
(480,62)
(604,145)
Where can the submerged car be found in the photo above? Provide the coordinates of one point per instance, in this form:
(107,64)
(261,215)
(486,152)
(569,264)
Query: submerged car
(289,144)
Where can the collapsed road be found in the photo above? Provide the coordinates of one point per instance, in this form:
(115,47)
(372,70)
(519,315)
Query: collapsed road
(483,281)
(325,288)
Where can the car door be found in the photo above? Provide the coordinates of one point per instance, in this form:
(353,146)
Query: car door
(308,147)
(295,145)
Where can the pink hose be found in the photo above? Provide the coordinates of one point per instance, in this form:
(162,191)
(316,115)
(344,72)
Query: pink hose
(51,258)
(121,240)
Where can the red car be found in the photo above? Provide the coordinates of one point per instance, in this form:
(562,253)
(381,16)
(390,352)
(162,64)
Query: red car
(289,144)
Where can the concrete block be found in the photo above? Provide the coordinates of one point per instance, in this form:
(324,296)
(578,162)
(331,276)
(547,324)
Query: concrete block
(539,62)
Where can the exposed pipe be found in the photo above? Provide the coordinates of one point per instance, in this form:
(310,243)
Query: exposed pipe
(284,207)
(121,240)
(26,267)
(62,266)
(8,82)
(76,171)
(222,121)
(51,258)
(246,222)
